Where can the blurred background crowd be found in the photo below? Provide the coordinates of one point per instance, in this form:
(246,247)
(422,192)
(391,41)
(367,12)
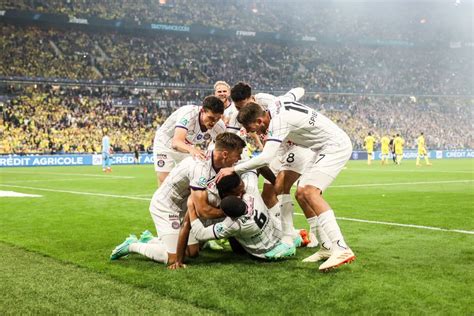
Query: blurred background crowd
(385,89)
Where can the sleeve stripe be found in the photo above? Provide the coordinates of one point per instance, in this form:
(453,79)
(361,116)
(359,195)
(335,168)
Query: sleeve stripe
(235,128)
(197,188)
(294,96)
(181,127)
(214,231)
(273,140)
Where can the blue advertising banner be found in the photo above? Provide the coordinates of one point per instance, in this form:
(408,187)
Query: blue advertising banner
(145,158)
(70,160)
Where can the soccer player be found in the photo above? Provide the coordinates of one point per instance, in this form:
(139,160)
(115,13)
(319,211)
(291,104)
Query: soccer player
(392,149)
(290,160)
(331,149)
(369,142)
(194,178)
(398,143)
(385,148)
(106,153)
(187,132)
(222,91)
(422,150)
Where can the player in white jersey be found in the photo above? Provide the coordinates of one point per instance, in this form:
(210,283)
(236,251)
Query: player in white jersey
(290,159)
(222,91)
(331,148)
(193,178)
(186,132)
(248,220)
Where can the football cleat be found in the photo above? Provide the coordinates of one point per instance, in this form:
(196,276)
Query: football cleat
(301,240)
(321,254)
(280,251)
(146,236)
(214,245)
(122,249)
(339,256)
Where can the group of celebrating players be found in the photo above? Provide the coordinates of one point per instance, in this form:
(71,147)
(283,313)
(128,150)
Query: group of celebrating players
(208,179)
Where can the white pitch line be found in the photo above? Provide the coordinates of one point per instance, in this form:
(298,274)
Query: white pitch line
(300,214)
(470,232)
(409,170)
(78,192)
(56,180)
(70,174)
(397,183)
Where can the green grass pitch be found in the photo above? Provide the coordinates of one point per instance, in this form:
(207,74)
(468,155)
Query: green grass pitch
(55,248)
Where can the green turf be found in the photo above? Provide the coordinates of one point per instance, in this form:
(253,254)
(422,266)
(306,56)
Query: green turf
(55,248)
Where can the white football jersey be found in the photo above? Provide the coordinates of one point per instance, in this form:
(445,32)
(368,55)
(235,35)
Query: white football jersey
(256,231)
(186,117)
(171,196)
(298,123)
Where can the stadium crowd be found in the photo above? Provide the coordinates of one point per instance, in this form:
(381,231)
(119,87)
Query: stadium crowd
(413,21)
(54,119)
(202,61)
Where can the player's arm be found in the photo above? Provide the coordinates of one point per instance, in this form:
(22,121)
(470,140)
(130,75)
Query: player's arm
(269,152)
(203,208)
(294,94)
(224,229)
(178,143)
(257,140)
(268,174)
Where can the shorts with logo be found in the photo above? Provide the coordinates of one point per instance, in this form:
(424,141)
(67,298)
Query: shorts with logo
(325,165)
(165,159)
(292,158)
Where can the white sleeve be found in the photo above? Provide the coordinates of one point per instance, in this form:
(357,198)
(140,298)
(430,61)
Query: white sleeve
(224,229)
(269,152)
(294,94)
(265,100)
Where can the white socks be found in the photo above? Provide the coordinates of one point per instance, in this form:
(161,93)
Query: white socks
(155,251)
(331,229)
(275,210)
(286,218)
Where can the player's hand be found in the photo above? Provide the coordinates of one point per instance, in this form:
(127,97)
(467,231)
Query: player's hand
(224,172)
(177,265)
(197,153)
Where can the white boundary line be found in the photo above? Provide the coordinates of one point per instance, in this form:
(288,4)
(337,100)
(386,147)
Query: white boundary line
(70,174)
(470,232)
(408,170)
(57,180)
(397,183)
(300,214)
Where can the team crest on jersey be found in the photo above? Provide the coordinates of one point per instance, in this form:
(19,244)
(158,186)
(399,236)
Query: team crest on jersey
(175,224)
(207,136)
(202,181)
(184,121)
(160,163)
(219,228)
(199,137)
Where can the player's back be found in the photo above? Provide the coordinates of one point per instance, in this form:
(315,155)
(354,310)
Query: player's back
(306,127)
(259,232)
(164,133)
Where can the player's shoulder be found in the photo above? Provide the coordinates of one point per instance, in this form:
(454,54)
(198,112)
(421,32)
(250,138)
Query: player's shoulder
(219,127)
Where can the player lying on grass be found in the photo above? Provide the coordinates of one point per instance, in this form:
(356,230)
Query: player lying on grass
(247,220)
(192,178)
(331,149)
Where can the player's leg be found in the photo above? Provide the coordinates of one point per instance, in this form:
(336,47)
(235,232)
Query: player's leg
(369,158)
(418,159)
(425,154)
(324,168)
(104,157)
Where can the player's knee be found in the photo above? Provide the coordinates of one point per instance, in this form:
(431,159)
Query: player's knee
(299,195)
(310,192)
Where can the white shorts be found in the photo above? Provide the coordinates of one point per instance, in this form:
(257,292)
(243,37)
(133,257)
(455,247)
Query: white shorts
(167,224)
(325,165)
(294,159)
(165,159)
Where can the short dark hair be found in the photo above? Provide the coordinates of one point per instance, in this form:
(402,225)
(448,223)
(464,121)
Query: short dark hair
(227,184)
(229,141)
(233,207)
(249,114)
(240,91)
(213,104)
